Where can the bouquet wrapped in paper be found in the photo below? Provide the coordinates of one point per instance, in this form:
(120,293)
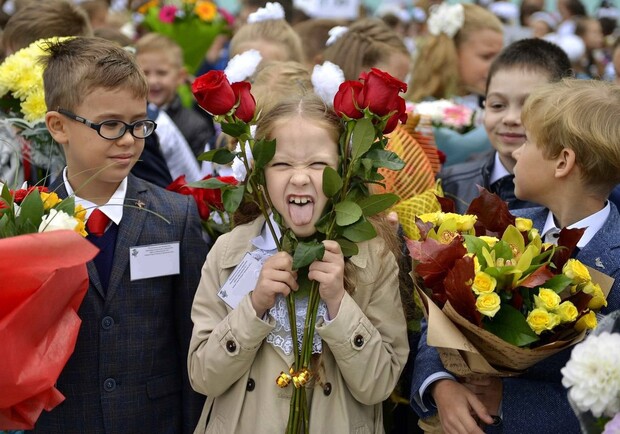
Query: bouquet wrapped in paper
(498,299)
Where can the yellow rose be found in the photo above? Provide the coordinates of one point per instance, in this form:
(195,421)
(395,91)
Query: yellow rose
(489,240)
(586,322)
(483,283)
(547,299)
(488,304)
(598,297)
(575,270)
(523,224)
(540,320)
(567,312)
(50,200)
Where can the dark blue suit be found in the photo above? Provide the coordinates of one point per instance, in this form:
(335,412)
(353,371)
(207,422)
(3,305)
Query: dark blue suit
(128,373)
(536,402)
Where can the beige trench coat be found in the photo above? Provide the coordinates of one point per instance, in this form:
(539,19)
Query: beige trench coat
(364,350)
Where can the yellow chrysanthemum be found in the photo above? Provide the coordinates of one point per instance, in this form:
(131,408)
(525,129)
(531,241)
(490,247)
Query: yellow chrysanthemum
(206,10)
(34,107)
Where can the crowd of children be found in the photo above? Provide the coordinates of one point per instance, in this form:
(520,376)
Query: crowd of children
(160,351)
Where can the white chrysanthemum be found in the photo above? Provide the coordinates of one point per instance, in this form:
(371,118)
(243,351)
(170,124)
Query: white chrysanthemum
(335,33)
(326,80)
(433,109)
(238,168)
(242,65)
(57,220)
(593,374)
(271,11)
(446,19)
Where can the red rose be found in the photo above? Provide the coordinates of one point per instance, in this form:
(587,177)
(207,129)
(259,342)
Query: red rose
(346,99)
(179,186)
(380,92)
(247,103)
(400,115)
(214,93)
(20,195)
(206,198)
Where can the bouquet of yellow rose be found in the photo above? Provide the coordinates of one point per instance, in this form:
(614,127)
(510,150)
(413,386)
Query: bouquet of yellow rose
(510,299)
(22,110)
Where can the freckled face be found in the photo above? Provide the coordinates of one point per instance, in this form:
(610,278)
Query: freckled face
(295,174)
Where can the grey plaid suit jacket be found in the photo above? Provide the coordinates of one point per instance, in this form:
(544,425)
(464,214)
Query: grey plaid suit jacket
(536,402)
(128,372)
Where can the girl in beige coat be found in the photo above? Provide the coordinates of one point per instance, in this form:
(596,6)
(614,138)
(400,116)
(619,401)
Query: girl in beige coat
(360,343)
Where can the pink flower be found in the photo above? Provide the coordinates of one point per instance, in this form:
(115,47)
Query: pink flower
(230,18)
(458,116)
(167,14)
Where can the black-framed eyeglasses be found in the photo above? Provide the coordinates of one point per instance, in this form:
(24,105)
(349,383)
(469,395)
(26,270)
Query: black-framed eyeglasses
(113,129)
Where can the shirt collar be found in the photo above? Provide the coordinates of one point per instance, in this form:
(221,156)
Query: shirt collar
(265,240)
(592,223)
(499,171)
(113,208)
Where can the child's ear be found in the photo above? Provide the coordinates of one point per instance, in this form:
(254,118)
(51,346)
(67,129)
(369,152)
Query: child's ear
(183,76)
(56,125)
(565,163)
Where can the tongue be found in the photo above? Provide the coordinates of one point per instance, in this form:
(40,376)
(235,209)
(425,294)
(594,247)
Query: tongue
(301,214)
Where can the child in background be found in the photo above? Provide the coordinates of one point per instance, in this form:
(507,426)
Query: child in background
(569,163)
(315,33)
(370,43)
(592,64)
(520,67)
(236,354)
(161,59)
(453,63)
(128,371)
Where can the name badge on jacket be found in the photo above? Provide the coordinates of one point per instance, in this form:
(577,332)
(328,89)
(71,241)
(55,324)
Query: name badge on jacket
(154,260)
(241,281)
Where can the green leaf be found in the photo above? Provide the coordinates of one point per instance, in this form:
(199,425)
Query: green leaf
(363,138)
(332,182)
(232,198)
(558,283)
(360,231)
(304,284)
(67,205)
(211,183)
(263,151)
(323,224)
(510,325)
(307,253)
(377,203)
(235,129)
(387,159)
(348,248)
(5,193)
(30,215)
(219,156)
(347,213)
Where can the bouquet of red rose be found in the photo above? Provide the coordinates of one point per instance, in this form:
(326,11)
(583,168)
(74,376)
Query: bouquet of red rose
(495,292)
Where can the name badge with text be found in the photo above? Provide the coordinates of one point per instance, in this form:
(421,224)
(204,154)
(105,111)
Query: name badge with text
(242,280)
(154,260)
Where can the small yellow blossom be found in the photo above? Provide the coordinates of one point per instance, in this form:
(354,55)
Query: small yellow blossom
(465,222)
(523,224)
(483,283)
(80,228)
(598,297)
(567,312)
(488,304)
(206,10)
(575,270)
(80,212)
(540,320)
(547,299)
(586,322)
(430,217)
(50,200)
(491,241)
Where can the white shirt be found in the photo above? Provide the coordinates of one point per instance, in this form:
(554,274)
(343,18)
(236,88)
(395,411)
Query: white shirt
(593,223)
(499,171)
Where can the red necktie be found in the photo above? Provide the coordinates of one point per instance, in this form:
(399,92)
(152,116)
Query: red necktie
(97,222)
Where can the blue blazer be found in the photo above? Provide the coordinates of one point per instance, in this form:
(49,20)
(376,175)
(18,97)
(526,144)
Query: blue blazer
(536,401)
(128,373)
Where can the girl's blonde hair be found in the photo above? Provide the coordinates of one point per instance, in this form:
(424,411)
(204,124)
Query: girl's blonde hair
(435,70)
(366,43)
(276,80)
(277,32)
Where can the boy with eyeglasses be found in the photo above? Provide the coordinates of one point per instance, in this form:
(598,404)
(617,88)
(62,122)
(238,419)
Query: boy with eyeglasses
(128,371)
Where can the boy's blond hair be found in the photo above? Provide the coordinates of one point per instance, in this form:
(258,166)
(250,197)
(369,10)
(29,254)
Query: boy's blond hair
(272,31)
(435,71)
(38,20)
(157,43)
(78,66)
(581,115)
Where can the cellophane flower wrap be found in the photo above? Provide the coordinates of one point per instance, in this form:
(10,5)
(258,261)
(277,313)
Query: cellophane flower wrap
(444,113)
(43,255)
(517,299)
(193,24)
(592,377)
(22,109)
(369,108)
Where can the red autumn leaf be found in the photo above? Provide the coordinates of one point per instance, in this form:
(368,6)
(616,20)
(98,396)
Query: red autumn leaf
(538,277)
(457,285)
(492,212)
(447,204)
(423,227)
(580,299)
(517,300)
(568,239)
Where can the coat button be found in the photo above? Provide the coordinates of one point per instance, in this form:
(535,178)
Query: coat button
(231,346)
(358,341)
(327,389)
(107,322)
(251,385)
(109,384)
